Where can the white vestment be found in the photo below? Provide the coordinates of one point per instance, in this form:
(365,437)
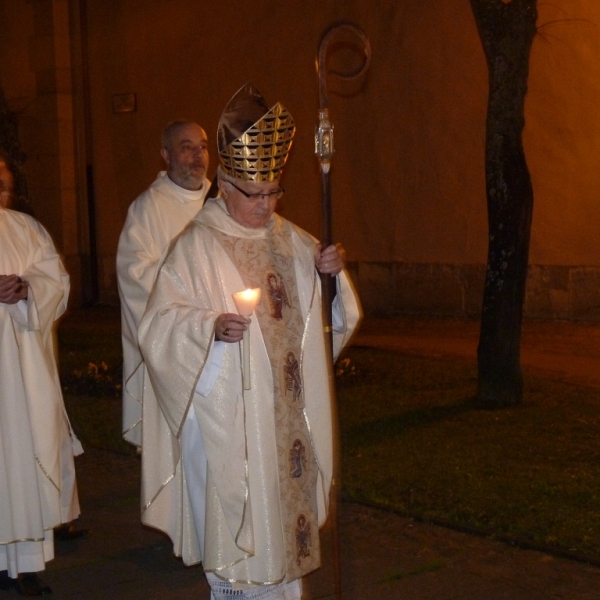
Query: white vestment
(242,535)
(37,472)
(153,220)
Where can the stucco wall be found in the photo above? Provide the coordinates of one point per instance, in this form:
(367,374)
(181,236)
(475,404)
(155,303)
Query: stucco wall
(562,135)
(36,73)
(408,176)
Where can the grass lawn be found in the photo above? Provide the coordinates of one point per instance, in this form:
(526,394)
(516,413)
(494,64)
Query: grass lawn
(413,441)
(91,376)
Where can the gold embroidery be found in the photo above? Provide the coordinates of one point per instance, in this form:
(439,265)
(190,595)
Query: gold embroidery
(268,263)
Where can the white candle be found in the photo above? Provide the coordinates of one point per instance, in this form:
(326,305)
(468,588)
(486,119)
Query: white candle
(245,303)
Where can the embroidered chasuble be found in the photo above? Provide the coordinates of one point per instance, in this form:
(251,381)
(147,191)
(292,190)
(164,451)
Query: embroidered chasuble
(268,263)
(268,449)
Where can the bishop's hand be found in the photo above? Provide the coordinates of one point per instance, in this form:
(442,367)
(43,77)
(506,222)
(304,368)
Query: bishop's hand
(331,260)
(230,327)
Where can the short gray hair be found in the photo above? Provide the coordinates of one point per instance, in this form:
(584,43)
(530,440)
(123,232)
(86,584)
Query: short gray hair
(170,130)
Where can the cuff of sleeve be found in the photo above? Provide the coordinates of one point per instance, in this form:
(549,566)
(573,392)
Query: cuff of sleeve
(211,370)
(20,313)
(338,321)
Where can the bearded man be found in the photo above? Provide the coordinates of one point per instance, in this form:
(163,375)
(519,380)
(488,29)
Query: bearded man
(153,220)
(222,476)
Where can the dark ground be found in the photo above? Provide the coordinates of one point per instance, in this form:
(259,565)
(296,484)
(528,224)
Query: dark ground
(383,556)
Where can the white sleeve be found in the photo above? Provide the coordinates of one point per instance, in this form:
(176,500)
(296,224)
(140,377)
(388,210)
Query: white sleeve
(23,309)
(338,321)
(23,314)
(210,372)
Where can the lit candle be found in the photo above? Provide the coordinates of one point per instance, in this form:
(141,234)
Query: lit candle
(245,303)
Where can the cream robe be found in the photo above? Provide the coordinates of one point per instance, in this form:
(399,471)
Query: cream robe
(243,536)
(37,473)
(153,220)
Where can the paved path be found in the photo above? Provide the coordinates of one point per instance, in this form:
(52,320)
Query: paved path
(384,557)
(558,350)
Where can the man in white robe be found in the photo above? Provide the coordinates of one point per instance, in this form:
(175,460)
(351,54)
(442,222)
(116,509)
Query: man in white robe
(153,220)
(239,478)
(37,474)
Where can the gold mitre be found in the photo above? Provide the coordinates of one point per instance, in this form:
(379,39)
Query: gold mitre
(253,139)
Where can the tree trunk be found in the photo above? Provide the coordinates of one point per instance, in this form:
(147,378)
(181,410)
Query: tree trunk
(507,29)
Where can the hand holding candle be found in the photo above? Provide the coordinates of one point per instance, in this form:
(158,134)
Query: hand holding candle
(245,303)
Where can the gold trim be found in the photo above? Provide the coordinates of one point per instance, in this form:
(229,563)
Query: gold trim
(39,463)
(23,540)
(141,365)
(134,397)
(306,419)
(247,582)
(160,489)
(246,476)
(125,431)
(50,528)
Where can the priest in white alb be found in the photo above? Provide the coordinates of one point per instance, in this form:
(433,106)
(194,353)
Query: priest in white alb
(154,218)
(37,473)
(239,475)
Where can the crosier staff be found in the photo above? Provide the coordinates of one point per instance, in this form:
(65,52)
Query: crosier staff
(324,150)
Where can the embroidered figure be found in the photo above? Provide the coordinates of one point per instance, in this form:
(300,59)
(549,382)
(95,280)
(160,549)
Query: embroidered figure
(297,459)
(277,295)
(293,381)
(303,541)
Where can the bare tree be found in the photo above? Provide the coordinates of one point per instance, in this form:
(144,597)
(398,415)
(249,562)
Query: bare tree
(507,29)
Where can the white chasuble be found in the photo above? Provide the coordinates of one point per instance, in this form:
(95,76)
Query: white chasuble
(37,474)
(250,536)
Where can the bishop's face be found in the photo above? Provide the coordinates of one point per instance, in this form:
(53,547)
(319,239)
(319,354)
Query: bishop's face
(251,203)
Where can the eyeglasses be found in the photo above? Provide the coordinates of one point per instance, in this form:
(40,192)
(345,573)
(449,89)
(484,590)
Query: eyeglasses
(276,194)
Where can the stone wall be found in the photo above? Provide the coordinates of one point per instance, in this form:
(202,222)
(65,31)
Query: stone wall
(398,288)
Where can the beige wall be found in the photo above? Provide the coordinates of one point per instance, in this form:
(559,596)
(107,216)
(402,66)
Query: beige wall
(397,139)
(408,176)
(562,136)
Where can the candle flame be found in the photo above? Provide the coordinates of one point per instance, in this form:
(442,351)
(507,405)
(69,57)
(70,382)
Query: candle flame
(246,301)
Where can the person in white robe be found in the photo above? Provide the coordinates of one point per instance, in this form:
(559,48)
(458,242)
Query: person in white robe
(153,220)
(37,474)
(238,475)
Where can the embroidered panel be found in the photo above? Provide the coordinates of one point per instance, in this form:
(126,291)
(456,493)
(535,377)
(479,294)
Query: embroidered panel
(269,264)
